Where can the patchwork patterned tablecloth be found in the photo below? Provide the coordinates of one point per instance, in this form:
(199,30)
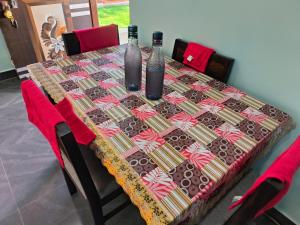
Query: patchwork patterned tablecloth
(168,155)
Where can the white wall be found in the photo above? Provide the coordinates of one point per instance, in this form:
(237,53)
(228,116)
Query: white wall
(5,61)
(263,37)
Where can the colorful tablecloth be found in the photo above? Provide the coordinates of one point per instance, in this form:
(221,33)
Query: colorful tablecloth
(169,155)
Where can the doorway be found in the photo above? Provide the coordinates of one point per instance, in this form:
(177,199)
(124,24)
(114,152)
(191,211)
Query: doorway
(117,12)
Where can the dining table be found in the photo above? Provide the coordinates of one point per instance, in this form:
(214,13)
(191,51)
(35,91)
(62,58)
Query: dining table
(174,157)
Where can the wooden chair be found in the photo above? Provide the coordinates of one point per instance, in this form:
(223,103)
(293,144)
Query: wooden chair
(84,172)
(269,189)
(265,193)
(219,66)
(72,44)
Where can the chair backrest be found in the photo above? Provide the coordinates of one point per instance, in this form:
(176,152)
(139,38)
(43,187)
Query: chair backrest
(218,67)
(262,195)
(64,145)
(72,43)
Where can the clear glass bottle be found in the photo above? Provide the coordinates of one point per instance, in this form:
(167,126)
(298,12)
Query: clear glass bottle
(133,61)
(155,69)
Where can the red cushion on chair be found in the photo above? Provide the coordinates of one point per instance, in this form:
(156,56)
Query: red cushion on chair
(98,37)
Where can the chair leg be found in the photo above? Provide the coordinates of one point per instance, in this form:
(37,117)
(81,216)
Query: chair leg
(96,208)
(94,201)
(71,186)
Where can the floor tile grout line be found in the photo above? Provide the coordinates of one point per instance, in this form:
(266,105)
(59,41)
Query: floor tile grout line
(11,191)
(39,198)
(21,217)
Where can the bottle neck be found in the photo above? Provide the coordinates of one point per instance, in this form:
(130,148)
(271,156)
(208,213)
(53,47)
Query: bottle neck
(132,40)
(156,49)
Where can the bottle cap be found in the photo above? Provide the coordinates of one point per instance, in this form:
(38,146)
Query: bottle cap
(132,31)
(157,38)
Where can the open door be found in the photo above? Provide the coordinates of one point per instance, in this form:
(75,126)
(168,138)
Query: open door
(117,12)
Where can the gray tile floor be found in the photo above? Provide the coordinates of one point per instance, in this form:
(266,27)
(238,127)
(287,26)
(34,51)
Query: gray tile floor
(32,188)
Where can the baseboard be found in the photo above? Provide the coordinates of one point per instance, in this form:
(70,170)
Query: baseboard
(278,217)
(8,74)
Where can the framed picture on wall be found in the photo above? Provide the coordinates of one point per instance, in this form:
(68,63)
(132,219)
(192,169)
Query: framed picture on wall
(48,21)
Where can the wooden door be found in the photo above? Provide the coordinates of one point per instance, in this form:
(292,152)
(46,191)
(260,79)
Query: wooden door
(18,40)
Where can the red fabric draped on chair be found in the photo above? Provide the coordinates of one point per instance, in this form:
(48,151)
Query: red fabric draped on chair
(42,114)
(282,169)
(197,56)
(82,133)
(45,117)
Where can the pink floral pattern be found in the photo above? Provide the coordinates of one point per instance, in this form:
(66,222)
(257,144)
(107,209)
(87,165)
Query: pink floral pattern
(148,140)
(175,98)
(200,86)
(198,155)
(169,79)
(144,112)
(183,121)
(113,57)
(234,93)
(107,102)
(54,69)
(254,115)
(109,128)
(229,132)
(188,71)
(76,93)
(110,67)
(84,62)
(109,83)
(211,105)
(159,183)
(77,76)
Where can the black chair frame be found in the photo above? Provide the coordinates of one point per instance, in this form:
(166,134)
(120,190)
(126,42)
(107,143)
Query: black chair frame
(72,44)
(71,149)
(263,194)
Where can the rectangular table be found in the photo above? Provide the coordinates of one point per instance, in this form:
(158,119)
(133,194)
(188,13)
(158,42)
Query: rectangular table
(174,157)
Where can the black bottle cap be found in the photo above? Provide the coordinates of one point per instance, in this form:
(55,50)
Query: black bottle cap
(132,31)
(157,38)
